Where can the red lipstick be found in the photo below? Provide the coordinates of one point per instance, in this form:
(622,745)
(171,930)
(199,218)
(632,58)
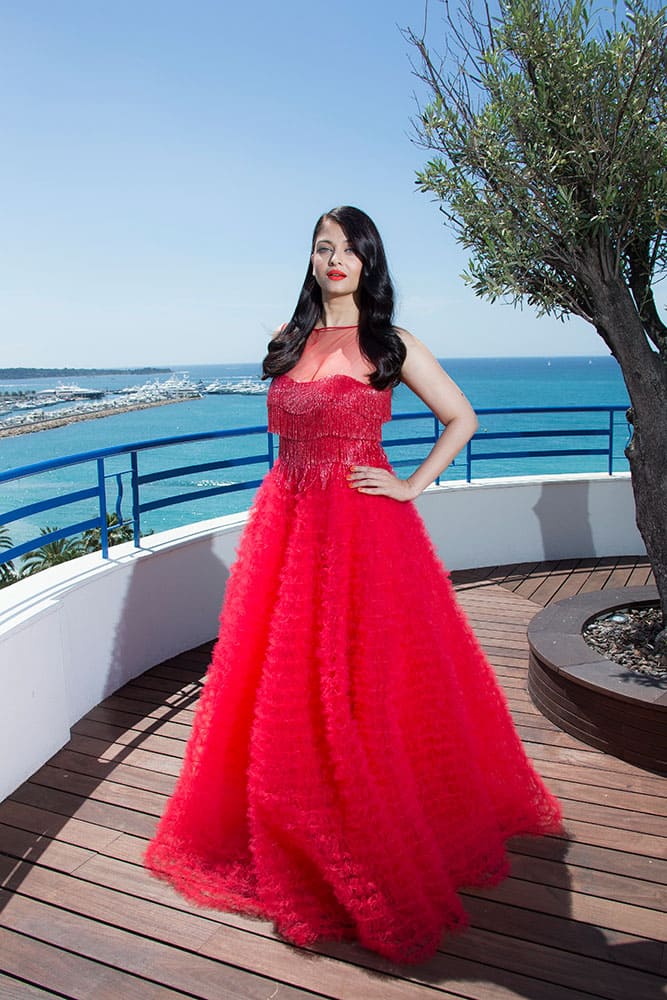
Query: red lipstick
(335,275)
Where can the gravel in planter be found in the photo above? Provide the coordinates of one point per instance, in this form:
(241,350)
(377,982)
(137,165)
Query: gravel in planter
(627,636)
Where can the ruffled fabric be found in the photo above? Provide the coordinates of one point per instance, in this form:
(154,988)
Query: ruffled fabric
(353,762)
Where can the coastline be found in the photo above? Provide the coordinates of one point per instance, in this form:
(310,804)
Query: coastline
(50,423)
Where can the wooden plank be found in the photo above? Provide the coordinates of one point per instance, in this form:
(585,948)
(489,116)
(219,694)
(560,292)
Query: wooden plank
(71,975)
(136,757)
(187,930)
(516,574)
(608,885)
(638,802)
(121,774)
(643,782)
(139,956)
(623,819)
(463,578)
(640,576)
(599,578)
(126,743)
(101,715)
(580,754)
(530,584)
(100,813)
(582,907)
(503,636)
(496,597)
(91,788)
(181,687)
(572,852)
(130,737)
(180,672)
(568,970)
(549,588)
(560,931)
(12,988)
(616,839)
(142,709)
(574,580)
(43,822)
(621,573)
(24,845)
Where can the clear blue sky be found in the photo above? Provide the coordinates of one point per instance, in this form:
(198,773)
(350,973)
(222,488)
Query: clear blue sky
(163,164)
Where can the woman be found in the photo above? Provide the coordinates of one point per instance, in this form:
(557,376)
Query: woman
(352,761)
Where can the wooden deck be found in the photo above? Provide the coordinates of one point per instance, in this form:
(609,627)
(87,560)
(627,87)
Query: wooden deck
(581,916)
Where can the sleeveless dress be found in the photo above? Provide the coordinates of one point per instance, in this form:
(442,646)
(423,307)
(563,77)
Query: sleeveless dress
(353,761)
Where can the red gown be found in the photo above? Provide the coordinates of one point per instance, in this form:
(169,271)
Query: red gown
(353,761)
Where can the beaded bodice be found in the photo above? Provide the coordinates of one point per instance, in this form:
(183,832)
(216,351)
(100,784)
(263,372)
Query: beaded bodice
(327,425)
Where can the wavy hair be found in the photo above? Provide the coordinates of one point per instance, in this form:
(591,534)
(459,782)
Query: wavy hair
(378,339)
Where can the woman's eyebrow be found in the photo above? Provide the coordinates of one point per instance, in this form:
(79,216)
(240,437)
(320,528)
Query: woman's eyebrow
(329,243)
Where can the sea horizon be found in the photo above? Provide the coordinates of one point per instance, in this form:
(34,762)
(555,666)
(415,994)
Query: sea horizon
(162,366)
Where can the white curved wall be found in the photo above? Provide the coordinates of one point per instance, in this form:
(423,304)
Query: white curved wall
(72,635)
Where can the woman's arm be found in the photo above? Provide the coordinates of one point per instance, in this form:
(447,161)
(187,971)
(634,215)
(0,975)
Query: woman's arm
(422,373)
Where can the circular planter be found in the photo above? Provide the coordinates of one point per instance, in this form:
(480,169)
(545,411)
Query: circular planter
(594,699)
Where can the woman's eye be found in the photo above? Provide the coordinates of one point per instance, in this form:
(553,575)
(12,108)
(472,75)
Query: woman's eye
(324,250)
(350,250)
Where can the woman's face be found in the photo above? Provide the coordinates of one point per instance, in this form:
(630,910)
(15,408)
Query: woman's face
(336,267)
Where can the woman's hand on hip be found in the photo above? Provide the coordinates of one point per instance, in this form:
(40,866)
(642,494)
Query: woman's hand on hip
(380,482)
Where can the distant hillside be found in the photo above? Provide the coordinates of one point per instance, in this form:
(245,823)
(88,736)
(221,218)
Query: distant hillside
(9,373)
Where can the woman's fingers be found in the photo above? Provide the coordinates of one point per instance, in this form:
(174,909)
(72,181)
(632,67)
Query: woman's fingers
(381,482)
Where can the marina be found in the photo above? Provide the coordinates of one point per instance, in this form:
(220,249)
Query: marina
(48,408)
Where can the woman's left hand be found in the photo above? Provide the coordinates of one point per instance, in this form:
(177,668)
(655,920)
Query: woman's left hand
(380,482)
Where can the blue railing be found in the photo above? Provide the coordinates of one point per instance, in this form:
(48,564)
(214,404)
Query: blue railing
(477,451)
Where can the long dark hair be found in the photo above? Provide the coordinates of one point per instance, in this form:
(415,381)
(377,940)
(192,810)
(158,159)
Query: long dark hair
(378,339)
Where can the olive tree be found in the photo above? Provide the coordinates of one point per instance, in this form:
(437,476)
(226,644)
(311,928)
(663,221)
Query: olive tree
(548,126)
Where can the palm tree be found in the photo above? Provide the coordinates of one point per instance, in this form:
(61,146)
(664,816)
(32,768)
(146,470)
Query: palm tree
(7,572)
(50,554)
(91,540)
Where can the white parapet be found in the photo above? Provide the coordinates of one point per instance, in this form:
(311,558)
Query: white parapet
(72,635)
(493,522)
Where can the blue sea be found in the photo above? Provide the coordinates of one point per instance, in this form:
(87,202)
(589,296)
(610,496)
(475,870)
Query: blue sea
(488,383)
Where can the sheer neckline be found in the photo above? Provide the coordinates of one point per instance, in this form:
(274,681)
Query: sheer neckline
(352,326)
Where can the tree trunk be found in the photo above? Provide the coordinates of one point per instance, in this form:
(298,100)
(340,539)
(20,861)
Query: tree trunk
(645,375)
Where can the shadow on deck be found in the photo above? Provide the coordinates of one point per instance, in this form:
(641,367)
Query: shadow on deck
(581,915)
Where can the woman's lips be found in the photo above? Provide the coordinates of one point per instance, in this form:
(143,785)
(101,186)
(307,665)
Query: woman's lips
(336,275)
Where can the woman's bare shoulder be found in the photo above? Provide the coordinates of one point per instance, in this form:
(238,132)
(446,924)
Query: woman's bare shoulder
(413,344)
(278,330)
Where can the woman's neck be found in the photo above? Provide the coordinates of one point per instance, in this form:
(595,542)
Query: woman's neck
(340,313)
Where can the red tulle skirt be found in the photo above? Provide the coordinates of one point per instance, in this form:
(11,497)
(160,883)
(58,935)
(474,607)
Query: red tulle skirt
(353,761)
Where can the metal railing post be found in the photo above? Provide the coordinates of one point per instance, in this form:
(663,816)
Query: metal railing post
(136,526)
(611,442)
(104,531)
